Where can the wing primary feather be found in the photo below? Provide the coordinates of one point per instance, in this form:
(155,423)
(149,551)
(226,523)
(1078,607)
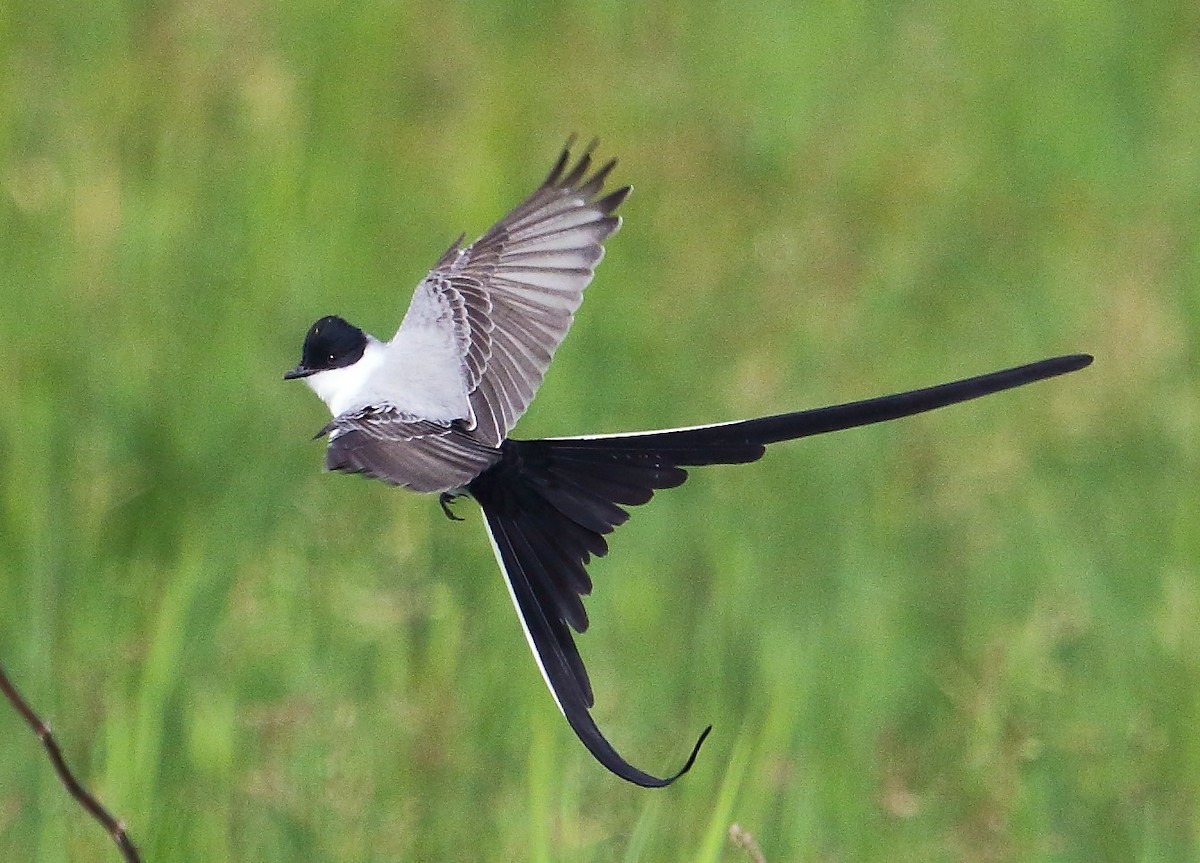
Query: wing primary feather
(596,182)
(563,158)
(613,200)
(581,167)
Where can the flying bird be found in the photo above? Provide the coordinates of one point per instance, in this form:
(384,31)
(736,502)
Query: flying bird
(431,410)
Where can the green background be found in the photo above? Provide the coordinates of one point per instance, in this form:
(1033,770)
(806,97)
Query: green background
(968,636)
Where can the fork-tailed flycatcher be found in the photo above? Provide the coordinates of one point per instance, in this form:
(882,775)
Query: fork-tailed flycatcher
(431,410)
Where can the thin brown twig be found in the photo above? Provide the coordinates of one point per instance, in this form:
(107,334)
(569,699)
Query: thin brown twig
(115,827)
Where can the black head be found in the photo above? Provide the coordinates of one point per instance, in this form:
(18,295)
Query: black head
(331,343)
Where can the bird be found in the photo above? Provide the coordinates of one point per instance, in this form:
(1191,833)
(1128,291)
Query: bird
(431,410)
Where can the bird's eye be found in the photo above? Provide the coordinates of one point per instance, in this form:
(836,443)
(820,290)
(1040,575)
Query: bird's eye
(332,358)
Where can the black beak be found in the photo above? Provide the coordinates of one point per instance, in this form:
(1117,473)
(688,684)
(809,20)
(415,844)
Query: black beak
(300,371)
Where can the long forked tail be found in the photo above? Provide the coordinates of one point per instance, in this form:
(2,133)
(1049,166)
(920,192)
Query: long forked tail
(548,505)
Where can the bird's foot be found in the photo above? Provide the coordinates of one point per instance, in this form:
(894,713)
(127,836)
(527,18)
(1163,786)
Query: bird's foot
(445,499)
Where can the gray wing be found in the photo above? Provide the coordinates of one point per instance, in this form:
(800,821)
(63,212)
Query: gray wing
(512,295)
(419,454)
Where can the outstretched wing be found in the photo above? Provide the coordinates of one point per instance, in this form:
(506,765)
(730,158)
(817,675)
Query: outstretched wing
(419,454)
(508,300)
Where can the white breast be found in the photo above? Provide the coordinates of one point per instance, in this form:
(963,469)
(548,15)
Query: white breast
(419,376)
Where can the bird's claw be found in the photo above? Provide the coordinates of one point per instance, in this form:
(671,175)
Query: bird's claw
(445,499)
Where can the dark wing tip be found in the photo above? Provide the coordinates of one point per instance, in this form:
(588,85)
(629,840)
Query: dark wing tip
(612,200)
(596,181)
(562,177)
(560,165)
(582,166)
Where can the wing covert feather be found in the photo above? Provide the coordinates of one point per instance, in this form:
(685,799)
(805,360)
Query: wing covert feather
(417,454)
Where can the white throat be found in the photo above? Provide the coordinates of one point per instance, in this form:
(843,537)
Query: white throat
(347,388)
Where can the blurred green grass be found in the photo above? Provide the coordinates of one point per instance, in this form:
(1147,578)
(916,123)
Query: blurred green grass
(968,636)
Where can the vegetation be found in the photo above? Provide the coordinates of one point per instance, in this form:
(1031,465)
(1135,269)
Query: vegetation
(968,636)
